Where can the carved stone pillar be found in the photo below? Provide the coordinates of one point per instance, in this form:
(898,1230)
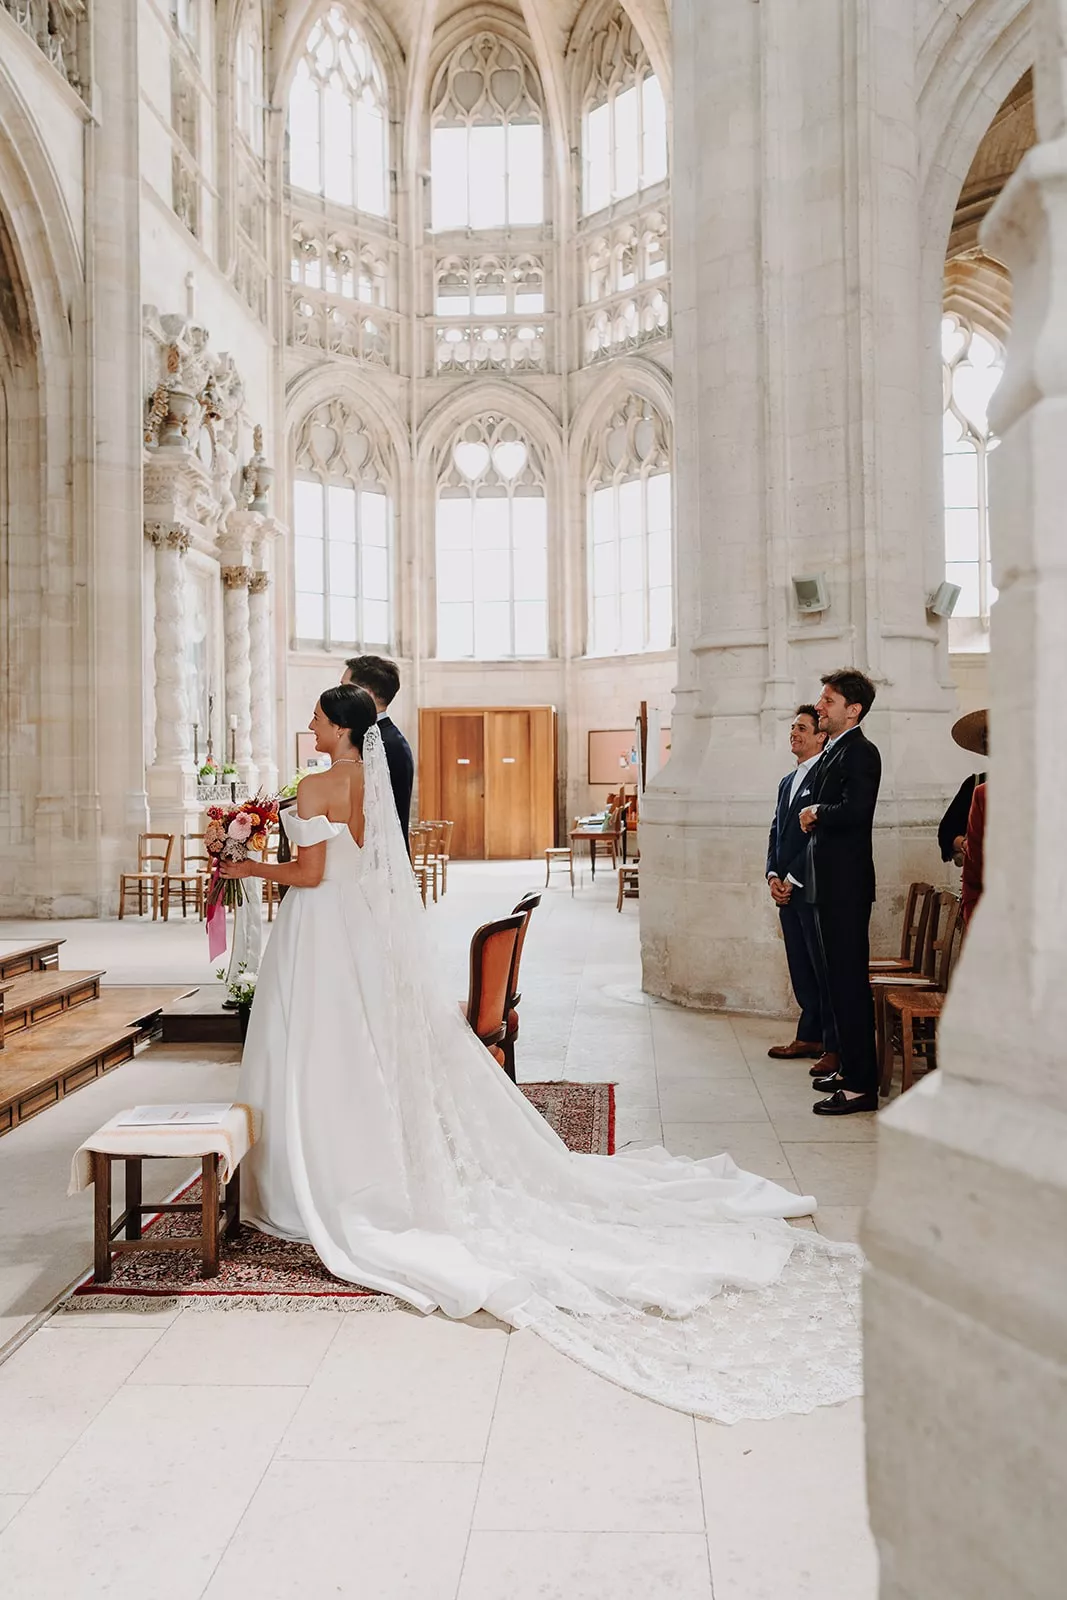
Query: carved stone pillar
(262,699)
(171,780)
(966,1302)
(235,581)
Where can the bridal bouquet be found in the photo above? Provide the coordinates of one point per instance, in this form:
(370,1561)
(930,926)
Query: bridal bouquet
(231,833)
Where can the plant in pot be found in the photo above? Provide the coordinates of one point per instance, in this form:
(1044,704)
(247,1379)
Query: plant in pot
(240,992)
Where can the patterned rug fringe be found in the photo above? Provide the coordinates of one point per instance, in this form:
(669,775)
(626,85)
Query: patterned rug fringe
(147,1304)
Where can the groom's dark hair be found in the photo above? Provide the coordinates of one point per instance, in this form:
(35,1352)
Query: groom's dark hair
(377,674)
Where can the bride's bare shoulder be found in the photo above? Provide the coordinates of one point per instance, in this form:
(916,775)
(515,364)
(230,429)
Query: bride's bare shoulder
(313,795)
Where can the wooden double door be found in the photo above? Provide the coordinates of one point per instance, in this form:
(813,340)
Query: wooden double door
(492,772)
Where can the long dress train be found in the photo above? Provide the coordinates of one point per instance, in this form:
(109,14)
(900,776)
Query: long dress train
(393,1143)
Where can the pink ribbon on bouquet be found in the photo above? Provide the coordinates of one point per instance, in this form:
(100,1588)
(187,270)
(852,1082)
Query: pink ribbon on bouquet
(216,920)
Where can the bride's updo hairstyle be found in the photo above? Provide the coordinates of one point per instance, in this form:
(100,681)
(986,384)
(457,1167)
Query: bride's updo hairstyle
(350,708)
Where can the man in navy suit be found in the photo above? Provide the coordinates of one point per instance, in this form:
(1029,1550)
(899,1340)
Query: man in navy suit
(787,852)
(380,678)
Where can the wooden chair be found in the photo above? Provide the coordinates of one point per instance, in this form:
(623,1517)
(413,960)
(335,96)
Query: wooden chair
(917,910)
(442,848)
(944,928)
(195,868)
(153,863)
(423,861)
(563,854)
(525,909)
(628,886)
(912,1009)
(492,963)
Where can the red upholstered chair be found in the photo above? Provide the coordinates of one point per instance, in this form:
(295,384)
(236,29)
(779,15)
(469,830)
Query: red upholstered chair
(525,908)
(492,963)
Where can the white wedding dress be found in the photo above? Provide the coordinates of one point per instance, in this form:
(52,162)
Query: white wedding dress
(391,1140)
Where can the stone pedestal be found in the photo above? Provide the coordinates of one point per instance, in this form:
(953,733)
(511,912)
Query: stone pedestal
(966,1302)
(799,451)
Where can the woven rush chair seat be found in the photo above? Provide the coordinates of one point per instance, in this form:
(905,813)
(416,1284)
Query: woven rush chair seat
(154,851)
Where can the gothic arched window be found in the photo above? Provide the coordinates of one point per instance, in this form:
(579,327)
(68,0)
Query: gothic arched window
(624,120)
(338,118)
(342,532)
(492,546)
(973,366)
(249,100)
(631,592)
(487,141)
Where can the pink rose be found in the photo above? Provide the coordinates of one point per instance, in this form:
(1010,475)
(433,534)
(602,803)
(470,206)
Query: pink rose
(241,826)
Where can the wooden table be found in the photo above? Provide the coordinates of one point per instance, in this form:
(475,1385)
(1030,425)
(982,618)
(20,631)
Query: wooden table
(594,835)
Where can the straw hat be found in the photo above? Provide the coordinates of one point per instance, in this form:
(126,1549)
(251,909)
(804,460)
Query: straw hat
(972,732)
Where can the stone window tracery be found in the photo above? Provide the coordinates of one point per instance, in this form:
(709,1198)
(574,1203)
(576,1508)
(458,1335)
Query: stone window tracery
(491,314)
(339,293)
(492,545)
(625,286)
(250,195)
(973,364)
(185,157)
(339,118)
(624,119)
(249,98)
(342,532)
(487,140)
(630,563)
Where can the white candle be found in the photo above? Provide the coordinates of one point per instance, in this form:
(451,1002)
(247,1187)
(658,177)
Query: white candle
(233,721)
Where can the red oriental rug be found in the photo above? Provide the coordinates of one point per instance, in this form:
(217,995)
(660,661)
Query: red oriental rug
(264,1273)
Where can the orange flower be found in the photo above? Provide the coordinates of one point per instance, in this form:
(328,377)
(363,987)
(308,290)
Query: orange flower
(258,841)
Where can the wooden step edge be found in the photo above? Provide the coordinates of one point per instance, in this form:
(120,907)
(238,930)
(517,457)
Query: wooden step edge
(70,990)
(83,1068)
(30,958)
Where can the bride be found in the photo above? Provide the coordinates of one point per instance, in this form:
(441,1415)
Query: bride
(392,1142)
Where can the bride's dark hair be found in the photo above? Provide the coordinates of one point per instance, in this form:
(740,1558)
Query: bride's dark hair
(350,708)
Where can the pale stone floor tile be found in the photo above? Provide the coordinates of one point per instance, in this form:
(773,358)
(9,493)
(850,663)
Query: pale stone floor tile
(586,1566)
(840,1222)
(715,1100)
(240,1347)
(796,1127)
(142,1507)
(400,1387)
(9,1505)
(78,1313)
(787,1517)
(381,1530)
(50,1391)
(765,1158)
(840,1176)
(570,1452)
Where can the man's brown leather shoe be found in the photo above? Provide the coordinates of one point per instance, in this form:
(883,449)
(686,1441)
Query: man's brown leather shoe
(825,1065)
(799,1049)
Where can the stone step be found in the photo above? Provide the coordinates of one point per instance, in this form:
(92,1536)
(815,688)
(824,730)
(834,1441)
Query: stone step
(37,997)
(18,957)
(41,1066)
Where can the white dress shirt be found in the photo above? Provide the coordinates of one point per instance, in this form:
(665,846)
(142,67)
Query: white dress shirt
(803,768)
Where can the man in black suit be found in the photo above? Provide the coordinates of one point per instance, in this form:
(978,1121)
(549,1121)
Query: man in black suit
(381,680)
(787,850)
(839,881)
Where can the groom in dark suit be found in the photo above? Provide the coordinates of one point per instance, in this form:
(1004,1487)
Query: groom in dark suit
(381,680)
(839,881)
(787,851)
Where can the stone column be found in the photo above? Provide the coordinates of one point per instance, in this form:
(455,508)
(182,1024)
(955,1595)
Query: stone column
(966,1302)
(262,695)
(236,622)
(798,349)
(171,780)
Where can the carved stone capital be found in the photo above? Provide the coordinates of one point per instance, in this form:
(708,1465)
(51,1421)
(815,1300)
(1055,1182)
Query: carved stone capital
(168,536)
(259,582)
(235,577)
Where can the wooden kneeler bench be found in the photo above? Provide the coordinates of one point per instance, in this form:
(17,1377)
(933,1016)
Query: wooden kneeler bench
(220,1145)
